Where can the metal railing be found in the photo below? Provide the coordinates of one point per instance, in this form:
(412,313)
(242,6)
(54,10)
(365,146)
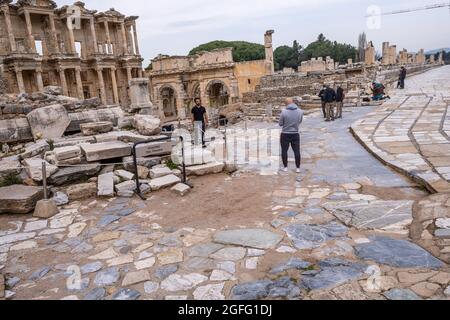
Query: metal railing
(138,185)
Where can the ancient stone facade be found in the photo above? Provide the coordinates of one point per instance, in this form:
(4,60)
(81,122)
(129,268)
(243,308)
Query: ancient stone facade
(88,54)
(370,54)
(317,65)
(212,76)
(389,54)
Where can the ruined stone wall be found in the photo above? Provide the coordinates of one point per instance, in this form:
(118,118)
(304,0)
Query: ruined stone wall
(213,57)
(249,75)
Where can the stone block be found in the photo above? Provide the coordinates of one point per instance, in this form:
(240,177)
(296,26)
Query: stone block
(147,125)
(68,152)
(19,199)
(82,191)
(158,172)
(48,122)
(15,130)
(164,182)
(45,209)
(93,128)
(70,174)
(33,167)
(124,175)
(192,156)
(106,150)
(181,189)
(204,169)
(153,149)
(105,185)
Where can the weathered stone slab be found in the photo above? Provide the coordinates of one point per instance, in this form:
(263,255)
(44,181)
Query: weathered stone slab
(93,128)
(9,166)
(334,275)
(68,152)
(70,174)
(253,238)
(105,185)
(107,114)
(384,215)
(143,162)
(147,125)
(153,149)
(396,253)
(106,150)
(33,168)
(15,130)
(181,189)
(204,169)
(82,191)
(164,182)
(127,186)
(158,172)
(34,149)
(193,156)
(401,294)
(19,199)
(48,122)
(313,236)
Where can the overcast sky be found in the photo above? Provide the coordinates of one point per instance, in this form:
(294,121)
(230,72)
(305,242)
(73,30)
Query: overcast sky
(176,26)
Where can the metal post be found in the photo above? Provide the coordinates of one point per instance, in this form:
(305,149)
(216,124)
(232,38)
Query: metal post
(44,179)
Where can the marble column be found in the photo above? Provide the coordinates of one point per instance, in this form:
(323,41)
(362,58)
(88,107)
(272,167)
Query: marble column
(79,83)
(31,43)
(129,75)
(114,86)
(136,43)
(63,81)
(124,39)
(71,36)
(9,29)
(39,81)
(94,35)
(20,82)
(101,84)
(108,37)
(55,38)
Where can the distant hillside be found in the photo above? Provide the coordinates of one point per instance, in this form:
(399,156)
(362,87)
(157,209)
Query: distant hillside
(242,51)
(437,51)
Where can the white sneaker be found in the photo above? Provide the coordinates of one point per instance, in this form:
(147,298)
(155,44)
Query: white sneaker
(298,170)
(284,169)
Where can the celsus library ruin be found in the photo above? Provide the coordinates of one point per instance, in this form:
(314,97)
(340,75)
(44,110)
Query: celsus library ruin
(237,170)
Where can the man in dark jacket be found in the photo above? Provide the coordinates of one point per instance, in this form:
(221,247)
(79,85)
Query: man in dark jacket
(402,77)
(322,97)
(330,98)
(340,96)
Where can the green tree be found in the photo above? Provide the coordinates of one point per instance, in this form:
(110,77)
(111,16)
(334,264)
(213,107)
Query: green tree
(323,47)
(242,50)
(288,57)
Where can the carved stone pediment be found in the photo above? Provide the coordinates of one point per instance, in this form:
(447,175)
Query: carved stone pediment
(48,4)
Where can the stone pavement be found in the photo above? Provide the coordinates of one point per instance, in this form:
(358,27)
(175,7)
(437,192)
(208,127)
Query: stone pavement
(339,230)
(411,132)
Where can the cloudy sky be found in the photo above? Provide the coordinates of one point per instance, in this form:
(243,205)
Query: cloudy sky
(175,26)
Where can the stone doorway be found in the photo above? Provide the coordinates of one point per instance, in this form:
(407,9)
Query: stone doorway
(218,94)
(169,102)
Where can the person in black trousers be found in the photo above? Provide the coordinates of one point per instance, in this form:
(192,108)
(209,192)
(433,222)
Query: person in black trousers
(290,121)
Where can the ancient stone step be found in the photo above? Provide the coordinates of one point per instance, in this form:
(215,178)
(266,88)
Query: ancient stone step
(19,199)
(106,150)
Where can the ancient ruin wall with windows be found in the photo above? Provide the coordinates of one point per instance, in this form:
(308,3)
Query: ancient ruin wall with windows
(212,76)
(85,52)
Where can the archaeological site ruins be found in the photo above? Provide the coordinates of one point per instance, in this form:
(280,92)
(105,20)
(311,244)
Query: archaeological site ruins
(111,187)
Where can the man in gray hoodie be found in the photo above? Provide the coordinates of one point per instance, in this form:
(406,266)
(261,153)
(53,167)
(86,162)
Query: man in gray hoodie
(290,121)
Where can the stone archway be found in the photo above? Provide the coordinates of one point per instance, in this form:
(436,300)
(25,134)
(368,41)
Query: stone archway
(168,98)
(218,93)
